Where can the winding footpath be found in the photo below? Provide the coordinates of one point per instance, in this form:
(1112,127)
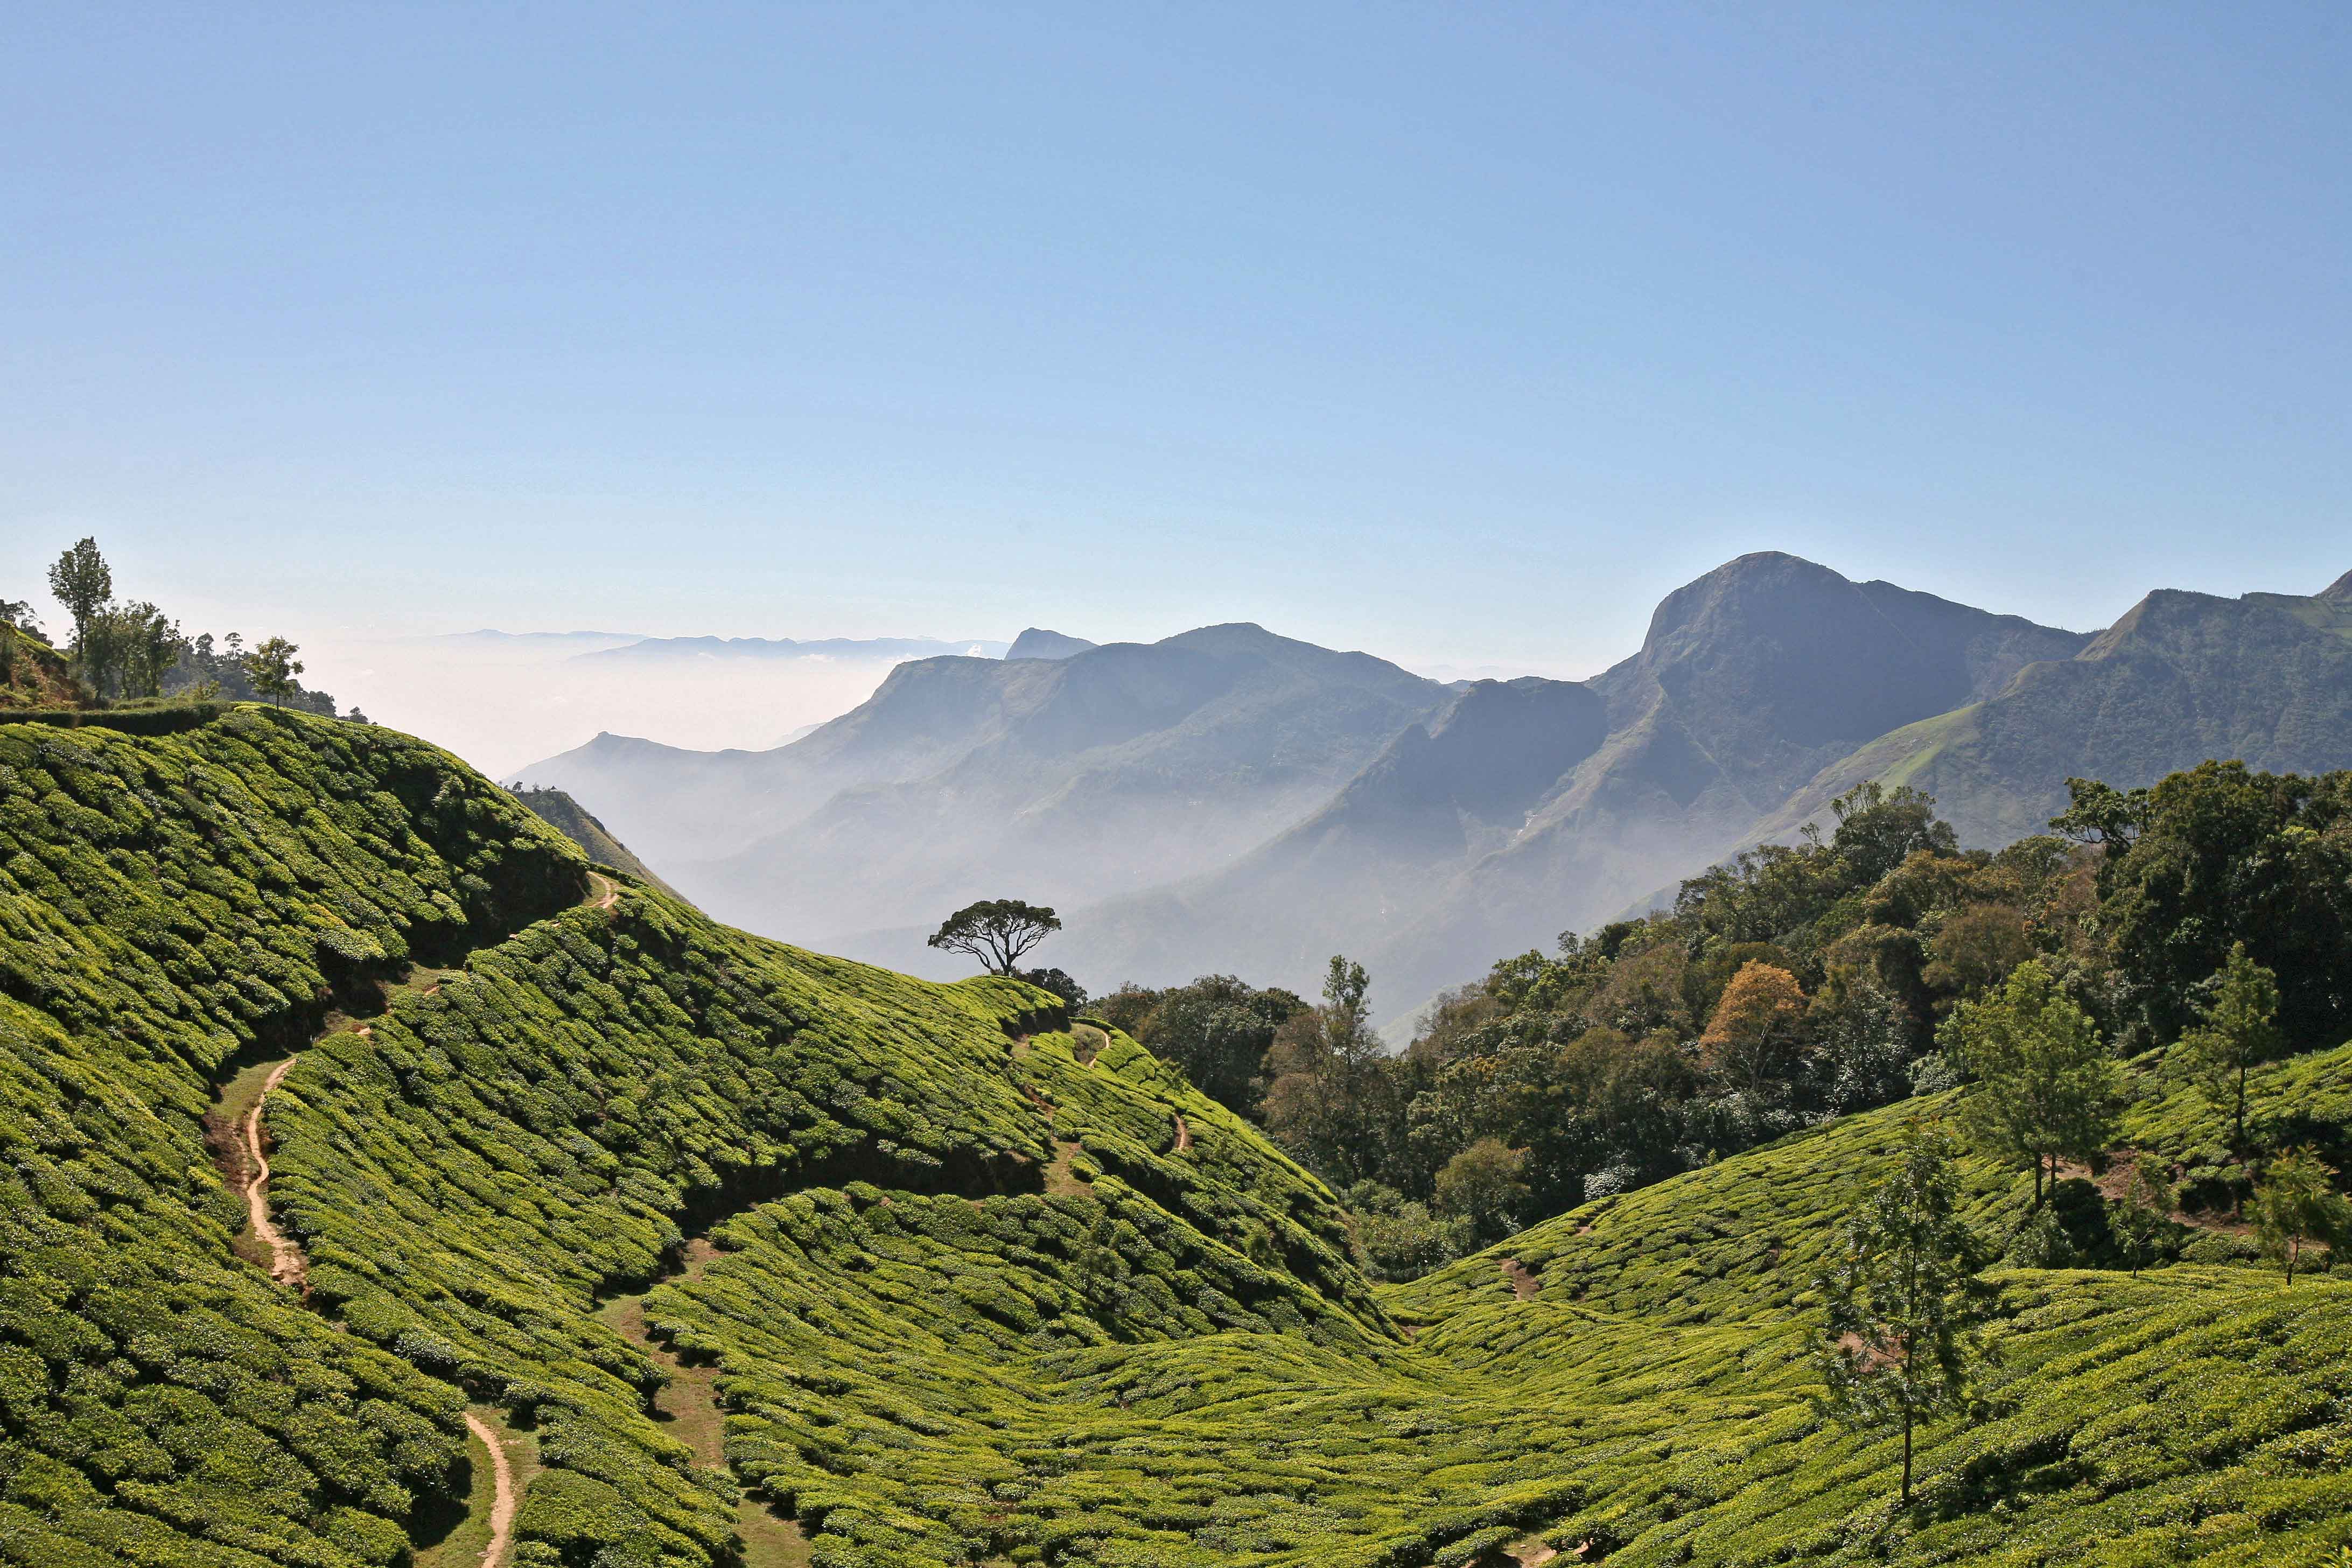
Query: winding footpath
(289,1267)
(287,1264)
(502,1500)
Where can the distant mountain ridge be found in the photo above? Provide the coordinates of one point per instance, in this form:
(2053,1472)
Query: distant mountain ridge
(1036,642)
(1230,800)
(788,648)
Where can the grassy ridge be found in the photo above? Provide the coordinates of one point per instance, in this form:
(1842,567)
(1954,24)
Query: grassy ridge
(985,1291)
(168,907)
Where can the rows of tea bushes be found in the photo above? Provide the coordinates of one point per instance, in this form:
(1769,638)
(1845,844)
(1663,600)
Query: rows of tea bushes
(470,1176)
(938,1380)
(169,906)
(985,1293)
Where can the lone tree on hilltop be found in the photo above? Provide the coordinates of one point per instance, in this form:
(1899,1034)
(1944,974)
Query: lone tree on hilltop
(996,932)
(82,582)
(2047,1085)
(1905,1301)
(272,667)
(2239,1031)
(2297,1204)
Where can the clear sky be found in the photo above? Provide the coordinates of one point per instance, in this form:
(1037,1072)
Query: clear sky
(1454,333)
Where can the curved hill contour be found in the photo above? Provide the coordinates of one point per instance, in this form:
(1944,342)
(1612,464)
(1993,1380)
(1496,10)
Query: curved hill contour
(983,1282)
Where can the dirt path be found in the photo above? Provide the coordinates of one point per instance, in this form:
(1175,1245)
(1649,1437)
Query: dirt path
(611,891)
(1524,1283)
(287,1264)
(1183,1134)
(690,1407)
(502,1501)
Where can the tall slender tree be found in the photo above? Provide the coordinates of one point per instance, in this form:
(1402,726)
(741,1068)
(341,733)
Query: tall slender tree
(2240,1032)
(83,581)
(272,667)
(1905,1301)
(2047,1086)
(2141,1219)
(2297,1204)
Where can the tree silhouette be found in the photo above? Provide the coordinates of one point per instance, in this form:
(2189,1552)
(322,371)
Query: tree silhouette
(996,932)
(82,582)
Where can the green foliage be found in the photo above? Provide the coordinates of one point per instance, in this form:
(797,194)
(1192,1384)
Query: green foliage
(2297,1203)
(1904,1300)
(993,1282)
(81,582)
(2240,1030)
(2227,857)
(1481,1187)
(272,667)
(2045,1085)
(2142,1222)
(169,907)
(997,932)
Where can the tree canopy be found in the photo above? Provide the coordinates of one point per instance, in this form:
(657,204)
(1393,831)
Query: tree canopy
(997,932)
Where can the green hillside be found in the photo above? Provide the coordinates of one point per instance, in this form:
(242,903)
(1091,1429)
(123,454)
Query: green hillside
(969,1280)
(2181,678)
(567,816)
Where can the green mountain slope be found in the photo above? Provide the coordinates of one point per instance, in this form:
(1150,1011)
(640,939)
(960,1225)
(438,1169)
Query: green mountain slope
(973,1282)
(566,815)
(2182,676)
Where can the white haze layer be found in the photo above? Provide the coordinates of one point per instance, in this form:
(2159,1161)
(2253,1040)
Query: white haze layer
(502,700)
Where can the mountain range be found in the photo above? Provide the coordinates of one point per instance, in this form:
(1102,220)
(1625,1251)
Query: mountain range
(1231,800)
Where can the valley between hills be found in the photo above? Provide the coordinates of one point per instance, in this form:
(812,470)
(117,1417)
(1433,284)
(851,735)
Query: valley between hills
(693,1247)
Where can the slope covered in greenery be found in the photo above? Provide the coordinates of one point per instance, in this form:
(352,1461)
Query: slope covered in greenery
(565,815)
(170,908)
(991,1284)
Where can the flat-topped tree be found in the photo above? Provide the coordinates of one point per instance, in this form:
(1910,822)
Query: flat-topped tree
(997,932)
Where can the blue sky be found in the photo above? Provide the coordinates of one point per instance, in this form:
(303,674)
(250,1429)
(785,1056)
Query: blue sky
(1458,333)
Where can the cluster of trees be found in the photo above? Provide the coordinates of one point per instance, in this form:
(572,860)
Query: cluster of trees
(124,650)
(2209,917)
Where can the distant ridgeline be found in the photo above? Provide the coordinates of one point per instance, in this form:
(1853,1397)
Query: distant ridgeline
(991,1284)
(1228,801)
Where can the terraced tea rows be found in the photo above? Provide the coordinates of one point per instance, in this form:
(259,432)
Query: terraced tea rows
(940,1275)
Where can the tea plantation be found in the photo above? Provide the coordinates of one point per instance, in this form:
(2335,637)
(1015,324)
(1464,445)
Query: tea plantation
(993,1285)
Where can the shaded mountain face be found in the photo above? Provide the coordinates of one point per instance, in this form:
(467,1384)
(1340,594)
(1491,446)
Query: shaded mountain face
(1036,642)
(2183,677)
(1228,800)
(1749,680)
(1117,767)
(1442,793)
(563,813)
